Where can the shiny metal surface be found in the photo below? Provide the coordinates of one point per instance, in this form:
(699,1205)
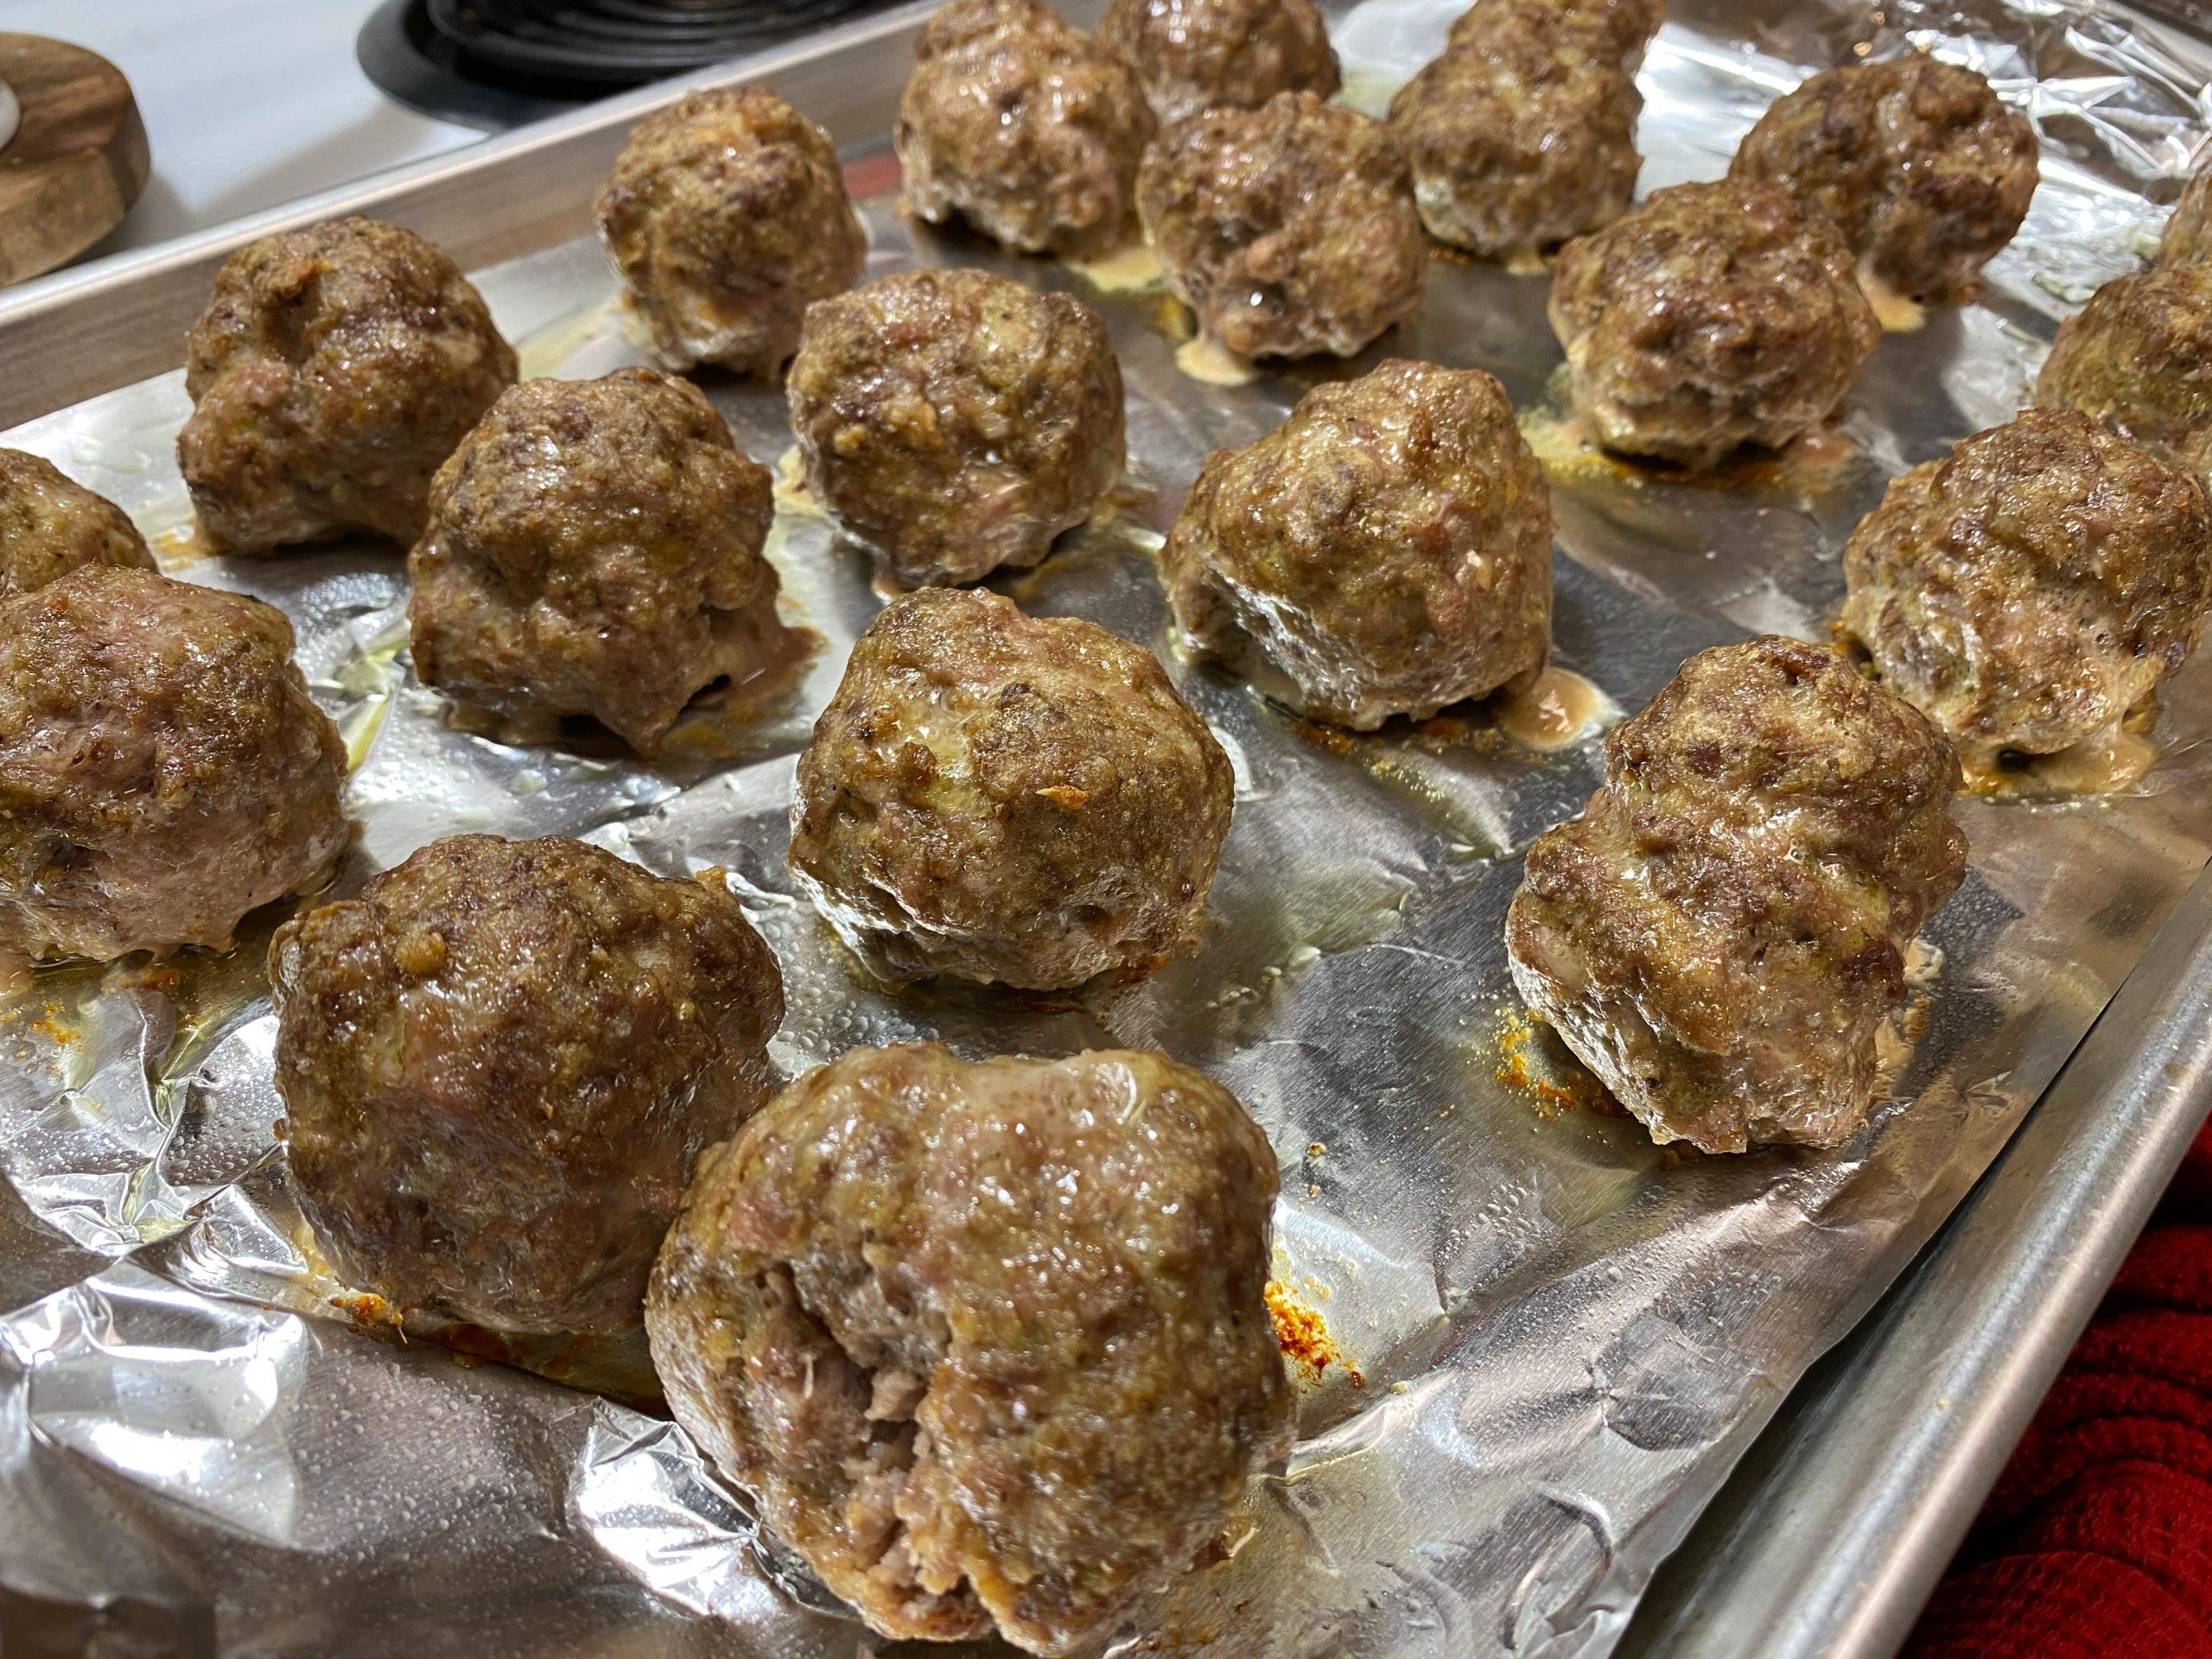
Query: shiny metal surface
(1828,1538)
(1564,1337)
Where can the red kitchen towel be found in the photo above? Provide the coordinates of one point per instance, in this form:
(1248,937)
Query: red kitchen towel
(2098,1539)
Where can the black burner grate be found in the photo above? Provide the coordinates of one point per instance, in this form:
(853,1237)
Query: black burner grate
(496,63)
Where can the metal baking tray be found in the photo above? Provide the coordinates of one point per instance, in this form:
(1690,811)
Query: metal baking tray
(1839,1517)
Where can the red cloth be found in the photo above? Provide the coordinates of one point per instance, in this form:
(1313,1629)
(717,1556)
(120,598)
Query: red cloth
(2097,1541)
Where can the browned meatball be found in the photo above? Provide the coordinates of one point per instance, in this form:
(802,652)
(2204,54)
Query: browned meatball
(594,549)
(2029,591)
(1518,141)
(499,1065)
(1926,172)
(2138,356)
(1721,933)
(1612,32)
(1007,799)
(727,217)
(1023,126)
(1289,229)
(333,370)
(50,526)
(1385,551)
(1716,315)
(989,1342)
(162,769)
(954,422)
(1194,54)
(2187,236)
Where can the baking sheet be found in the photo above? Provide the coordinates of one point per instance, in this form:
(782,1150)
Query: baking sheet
(1562,1336)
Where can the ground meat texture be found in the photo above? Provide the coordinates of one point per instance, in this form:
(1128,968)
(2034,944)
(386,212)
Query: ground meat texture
(1926,172)
(1721,933)
(954,422)
(1518,141)
(727,215)
(1289,229)
(988,1341)
(332,373)
(1196,54)
(1716,315)
(499,1065)
(50,526)
(1023,126)
(1385,551)
(2138,356)
(162,769)
(594,549)
(1004,799)
(1613,32)
(2187,236)
(2029,591)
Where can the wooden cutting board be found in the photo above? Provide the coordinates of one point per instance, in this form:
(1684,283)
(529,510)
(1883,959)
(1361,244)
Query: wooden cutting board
(78,158)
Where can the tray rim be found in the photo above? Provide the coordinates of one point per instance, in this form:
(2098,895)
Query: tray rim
(1800,1554)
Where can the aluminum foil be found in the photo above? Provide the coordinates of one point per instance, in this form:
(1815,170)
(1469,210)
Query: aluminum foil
(1548,1339)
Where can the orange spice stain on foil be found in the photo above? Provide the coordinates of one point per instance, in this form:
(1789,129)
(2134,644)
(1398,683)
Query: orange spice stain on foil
(1304,1337)
(1553,1088)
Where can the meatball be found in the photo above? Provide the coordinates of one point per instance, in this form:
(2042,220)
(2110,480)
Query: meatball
(1716,315)
(953,422)
(2138,356)
(1386,550)
(332,373)
(50,526)
(1289,229)
(1925,171)
(594,549)
(1721,933)
(1516,141)
(1007,799)
(1194,54)
(499,1065)
(1023,126)
(989,1341)
(2029,591)
(727,217)
(162,769)
(2187,236)
(1611,32)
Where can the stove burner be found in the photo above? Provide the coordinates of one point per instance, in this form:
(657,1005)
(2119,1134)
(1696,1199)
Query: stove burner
(497,63)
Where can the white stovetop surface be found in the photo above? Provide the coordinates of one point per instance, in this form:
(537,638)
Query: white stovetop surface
(247,103)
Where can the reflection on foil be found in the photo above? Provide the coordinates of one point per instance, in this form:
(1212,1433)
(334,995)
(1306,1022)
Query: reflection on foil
(1564,1336)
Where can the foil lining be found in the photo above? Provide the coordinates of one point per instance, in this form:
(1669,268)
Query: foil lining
(1546,1340)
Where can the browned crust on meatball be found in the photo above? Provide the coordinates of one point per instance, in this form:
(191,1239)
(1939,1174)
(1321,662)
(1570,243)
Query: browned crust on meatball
(1922,166)
(1716,315)
(1197,54)
(727,215)
(2138,358)
(1518,138)
(1025,127)
(989,1341)
(1387,550)
(499,1065)
(162,769)
(333,370)
(594,549)
(2187,235)
(50,526)
(953,422)
(1289,229)
(1007,799)
(1611,32)
(2029,590)
(1721,933)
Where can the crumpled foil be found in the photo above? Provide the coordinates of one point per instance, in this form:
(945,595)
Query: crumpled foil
(1546,1340)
